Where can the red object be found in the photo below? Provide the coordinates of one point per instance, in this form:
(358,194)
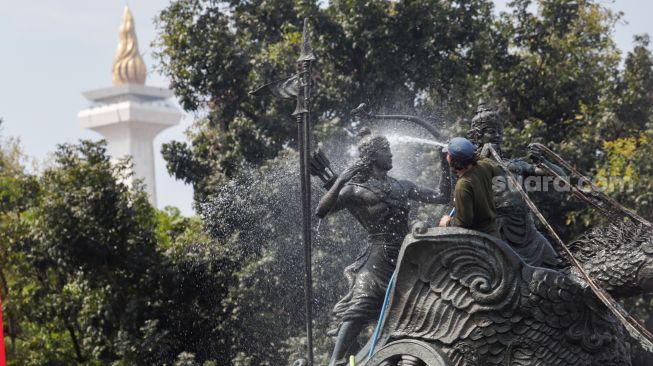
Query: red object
(3,360)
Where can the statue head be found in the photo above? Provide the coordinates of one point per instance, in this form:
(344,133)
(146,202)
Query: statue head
(373,151)
(486,126)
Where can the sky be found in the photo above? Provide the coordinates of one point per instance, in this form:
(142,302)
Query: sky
(52,51)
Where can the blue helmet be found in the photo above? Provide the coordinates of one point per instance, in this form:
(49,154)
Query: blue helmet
(460,149)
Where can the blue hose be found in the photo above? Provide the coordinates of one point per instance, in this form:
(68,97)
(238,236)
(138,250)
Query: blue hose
(377,330)
(378,325)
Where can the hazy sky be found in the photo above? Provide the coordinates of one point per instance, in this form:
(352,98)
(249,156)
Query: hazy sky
(54,50)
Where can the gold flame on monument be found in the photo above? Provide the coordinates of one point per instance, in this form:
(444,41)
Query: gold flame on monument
(128,65)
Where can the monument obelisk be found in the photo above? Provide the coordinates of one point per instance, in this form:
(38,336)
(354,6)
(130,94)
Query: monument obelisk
(130,114)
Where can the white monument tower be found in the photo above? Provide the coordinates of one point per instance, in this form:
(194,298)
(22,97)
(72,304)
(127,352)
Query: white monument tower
(130,114)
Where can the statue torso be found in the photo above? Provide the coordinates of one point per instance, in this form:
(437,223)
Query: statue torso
(382,207)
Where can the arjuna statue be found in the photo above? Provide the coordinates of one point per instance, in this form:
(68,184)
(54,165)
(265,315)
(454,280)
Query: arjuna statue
(380,204)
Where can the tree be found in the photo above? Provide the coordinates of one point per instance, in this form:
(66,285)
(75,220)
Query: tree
(388,54)
(635,88)
(82,244)
(17,190)
(93,275)
(557,88)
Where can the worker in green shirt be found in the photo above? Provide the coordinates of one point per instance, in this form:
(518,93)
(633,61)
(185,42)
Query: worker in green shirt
(473,196)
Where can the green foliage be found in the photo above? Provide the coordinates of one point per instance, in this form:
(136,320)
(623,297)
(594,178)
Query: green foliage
(628,160)
(384,53)
(635,89)
(93,275)
(559,88)
(170,226)
(253,216)
(562,58)
(82,247)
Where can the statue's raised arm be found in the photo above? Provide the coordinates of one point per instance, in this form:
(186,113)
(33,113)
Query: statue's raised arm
(335,198)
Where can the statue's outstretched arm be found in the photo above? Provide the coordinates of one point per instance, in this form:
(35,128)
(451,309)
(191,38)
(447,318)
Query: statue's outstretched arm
(426,195)
(554,167)
(442,195)
(536,155)
(523,168)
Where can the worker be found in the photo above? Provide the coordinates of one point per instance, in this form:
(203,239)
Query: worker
(473,195)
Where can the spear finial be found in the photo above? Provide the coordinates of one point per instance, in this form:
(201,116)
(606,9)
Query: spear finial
(307,49)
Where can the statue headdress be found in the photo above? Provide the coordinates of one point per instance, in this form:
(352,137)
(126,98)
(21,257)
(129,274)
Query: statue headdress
(486,126)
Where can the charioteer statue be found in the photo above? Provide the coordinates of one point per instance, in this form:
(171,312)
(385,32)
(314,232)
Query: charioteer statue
(514,220)
(381,205)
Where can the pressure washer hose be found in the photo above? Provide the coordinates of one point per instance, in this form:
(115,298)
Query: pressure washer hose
(379,323)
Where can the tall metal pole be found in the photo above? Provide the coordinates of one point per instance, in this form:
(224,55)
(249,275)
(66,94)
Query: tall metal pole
(303,115)
(3,360)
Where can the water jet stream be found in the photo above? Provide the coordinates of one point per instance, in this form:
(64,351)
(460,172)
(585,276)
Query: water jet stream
(409,139)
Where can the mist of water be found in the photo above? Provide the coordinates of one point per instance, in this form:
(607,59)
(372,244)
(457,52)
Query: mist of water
(258,214)
(402,139)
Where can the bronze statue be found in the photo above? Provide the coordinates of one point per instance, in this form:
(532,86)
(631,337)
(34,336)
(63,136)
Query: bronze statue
(463,298)
(468,299)
(381,205)
(514,219)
